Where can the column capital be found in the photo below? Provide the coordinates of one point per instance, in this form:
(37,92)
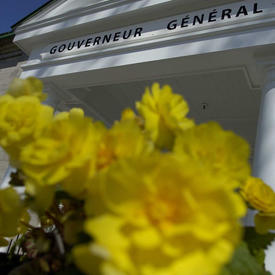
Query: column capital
(266,67)
(264,156)
(266,64)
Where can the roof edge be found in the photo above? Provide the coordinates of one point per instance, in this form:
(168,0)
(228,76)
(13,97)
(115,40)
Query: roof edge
(6,34)
(31,14)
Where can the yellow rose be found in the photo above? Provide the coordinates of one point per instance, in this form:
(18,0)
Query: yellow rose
(259,195)
(22,120)
(89,263)
(64,154)
(30,86)
(3,242)
(128,114)
(125,139)
(164,114)
(11,211)
(264,222)
(223,152)
(40,196)
(163,216)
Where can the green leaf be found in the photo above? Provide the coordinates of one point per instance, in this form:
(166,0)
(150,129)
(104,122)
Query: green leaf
(29,268)
(70,270)
(84,237)
(61,195)
(244,263)
(257,241)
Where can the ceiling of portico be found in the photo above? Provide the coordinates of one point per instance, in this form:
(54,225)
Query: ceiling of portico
(227,96)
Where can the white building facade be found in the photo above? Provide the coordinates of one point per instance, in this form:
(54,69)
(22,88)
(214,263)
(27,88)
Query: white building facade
(219,54)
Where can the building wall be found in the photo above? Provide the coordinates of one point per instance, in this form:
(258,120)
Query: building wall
(11,58)
(3,163)
(6,77)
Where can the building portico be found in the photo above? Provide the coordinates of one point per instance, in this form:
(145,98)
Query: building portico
(208,52)
(100,55)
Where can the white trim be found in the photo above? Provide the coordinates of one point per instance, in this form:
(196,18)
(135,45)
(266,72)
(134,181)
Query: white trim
(97,7)
(156,31)
(98,11)
(147,53)
(80,12)
(102,17)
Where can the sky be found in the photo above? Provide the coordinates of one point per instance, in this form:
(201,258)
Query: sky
(14,10)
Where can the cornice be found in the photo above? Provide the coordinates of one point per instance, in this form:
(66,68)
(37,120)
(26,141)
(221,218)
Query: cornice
(100,15)
(161,39)
(93,8)
(121,6)
(106,15)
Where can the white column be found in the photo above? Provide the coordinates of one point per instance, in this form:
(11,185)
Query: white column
(264,156)
(53,98)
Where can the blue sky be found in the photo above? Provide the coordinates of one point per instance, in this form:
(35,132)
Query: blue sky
(14,10)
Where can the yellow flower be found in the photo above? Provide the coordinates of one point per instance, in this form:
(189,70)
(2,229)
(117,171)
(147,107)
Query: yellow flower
(164,114)
(41,196)
(223,152)
(128,114)
(264,222)
(22,119)
(65,153)
(23,222)
(125,139)
(11,211)
(3,242)
(88,262)
(163,216)
(259,195)
(30,86)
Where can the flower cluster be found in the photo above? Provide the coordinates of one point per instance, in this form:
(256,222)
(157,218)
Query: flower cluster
(262,198)
(154,194)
